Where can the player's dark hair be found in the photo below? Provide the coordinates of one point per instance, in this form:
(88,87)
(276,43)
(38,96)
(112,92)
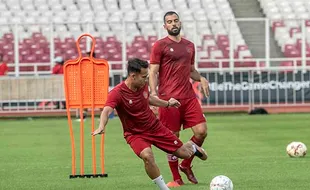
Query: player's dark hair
(135,65)
(170,13)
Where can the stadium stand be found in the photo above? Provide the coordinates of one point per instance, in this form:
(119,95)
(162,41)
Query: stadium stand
(287,26)
(34,30)
(40,30)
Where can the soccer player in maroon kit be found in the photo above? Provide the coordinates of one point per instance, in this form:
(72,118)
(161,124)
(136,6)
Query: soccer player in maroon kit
(172,64)
(132,101)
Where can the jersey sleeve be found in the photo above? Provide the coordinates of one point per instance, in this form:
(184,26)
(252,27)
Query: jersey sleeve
(193,56)
(114,98)
(156,53)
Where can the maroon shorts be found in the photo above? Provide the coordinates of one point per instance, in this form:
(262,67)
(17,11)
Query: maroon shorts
(188,114)
(162,138)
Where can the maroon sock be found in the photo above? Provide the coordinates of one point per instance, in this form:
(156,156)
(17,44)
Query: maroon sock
(174,166)
(187,162)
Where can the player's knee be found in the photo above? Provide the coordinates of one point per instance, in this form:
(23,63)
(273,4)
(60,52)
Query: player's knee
(147,156)
(201,131)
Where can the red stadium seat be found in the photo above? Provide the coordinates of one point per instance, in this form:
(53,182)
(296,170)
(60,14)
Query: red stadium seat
(116,66)
(207,65)
(294,30)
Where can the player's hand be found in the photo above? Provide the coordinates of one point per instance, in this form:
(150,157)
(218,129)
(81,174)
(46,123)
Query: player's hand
(98,131)
(174,103)
(205,86)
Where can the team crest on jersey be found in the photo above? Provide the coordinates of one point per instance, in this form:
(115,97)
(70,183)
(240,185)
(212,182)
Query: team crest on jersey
(189,50)
(130,101)
(171,49)
(145,94)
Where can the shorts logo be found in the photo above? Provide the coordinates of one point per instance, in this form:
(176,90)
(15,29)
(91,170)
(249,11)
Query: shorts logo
(130,101)
(145,94)
(175,142)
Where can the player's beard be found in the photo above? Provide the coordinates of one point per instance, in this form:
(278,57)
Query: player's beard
(174,31)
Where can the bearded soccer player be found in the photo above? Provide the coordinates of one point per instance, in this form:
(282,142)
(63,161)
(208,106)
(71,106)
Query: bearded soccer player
(172,66)
(141,127)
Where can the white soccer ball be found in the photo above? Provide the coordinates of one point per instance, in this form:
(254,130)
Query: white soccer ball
(221,182)
(296,149)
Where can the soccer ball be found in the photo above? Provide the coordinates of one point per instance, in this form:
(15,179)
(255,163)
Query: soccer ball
(296,149)
(221,182)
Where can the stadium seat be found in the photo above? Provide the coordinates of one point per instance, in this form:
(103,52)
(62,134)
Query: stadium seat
(288,33)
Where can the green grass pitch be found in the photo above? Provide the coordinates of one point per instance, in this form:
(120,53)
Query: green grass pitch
(36,154)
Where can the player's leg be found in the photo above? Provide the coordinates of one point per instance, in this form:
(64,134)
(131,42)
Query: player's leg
(200,133)
(170,118)
(189,149)
(152,169)
(194,119)
(163,139)
(142,149)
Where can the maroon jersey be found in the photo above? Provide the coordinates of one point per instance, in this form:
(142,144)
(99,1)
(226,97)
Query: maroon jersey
(133,109)
(175,60)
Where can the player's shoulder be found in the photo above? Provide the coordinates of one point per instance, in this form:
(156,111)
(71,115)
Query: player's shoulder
(117,88)
(162,42)
(186,41)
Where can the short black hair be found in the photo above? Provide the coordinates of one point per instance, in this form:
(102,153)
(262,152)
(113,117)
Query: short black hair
(135,65)
(170,13)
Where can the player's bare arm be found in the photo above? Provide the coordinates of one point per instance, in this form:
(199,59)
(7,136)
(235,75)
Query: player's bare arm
(195,75)
(104,117)
(154,68)
(155,101)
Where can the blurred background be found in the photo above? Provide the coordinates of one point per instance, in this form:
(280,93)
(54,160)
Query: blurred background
(255,53)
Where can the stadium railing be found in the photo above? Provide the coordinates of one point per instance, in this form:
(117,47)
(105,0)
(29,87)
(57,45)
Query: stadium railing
(278,89)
